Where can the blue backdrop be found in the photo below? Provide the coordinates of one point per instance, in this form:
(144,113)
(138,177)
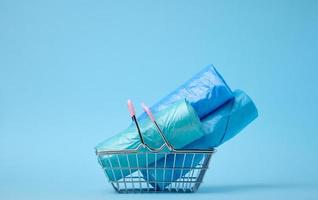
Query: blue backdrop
(68,67)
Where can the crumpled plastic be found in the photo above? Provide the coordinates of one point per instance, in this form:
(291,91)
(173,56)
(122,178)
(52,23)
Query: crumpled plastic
(180,124)
(218,127)
(205,91)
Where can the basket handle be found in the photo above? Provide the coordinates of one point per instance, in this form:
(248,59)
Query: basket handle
(152,118)
(134,119)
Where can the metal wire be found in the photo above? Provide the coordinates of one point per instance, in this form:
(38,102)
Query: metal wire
(189,177)
(135,176)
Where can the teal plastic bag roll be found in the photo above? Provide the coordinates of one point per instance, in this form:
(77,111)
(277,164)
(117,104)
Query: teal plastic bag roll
(180,124)
(218,127)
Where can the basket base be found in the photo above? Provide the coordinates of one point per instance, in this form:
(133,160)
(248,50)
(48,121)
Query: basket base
(153,190)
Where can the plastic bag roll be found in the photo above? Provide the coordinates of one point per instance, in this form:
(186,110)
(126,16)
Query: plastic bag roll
(219,126)
(205,91)
(179,123)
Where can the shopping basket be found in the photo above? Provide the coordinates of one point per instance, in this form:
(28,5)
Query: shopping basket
(175,176)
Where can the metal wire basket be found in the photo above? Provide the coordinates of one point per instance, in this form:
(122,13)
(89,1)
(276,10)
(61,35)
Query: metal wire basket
(145,169)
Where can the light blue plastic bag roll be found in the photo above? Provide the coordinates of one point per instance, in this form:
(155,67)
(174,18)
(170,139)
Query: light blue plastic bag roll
(219,126)
(179,123)
(205,91)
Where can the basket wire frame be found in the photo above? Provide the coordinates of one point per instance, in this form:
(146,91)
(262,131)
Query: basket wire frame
(190,177)
(138,180)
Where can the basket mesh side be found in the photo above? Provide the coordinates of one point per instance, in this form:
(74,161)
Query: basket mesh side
(184,172)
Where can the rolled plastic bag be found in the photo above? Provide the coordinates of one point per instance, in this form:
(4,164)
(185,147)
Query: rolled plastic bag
(218,127)
(180,124)
(205,91)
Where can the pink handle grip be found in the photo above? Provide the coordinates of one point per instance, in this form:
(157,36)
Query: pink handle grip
(149,113)
(131,108)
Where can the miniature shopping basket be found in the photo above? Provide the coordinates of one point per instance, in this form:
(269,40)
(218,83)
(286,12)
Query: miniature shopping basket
(145,169)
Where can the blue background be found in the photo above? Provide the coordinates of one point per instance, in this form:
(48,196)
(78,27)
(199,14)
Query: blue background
(68,67)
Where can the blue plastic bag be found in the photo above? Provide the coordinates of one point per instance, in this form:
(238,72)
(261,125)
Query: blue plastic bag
(219,126)
(179,123)
(205,91)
